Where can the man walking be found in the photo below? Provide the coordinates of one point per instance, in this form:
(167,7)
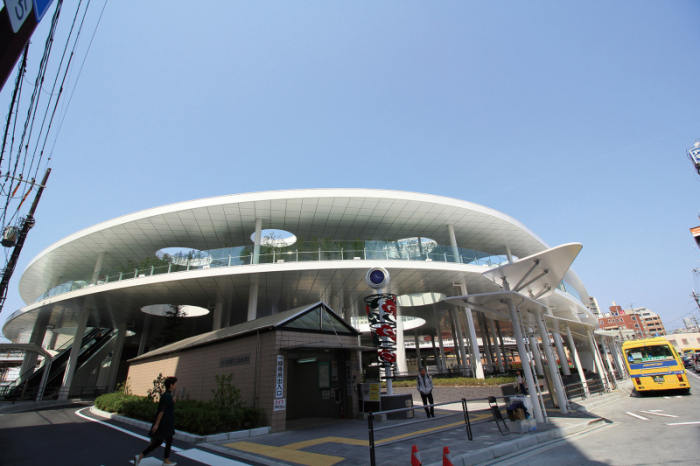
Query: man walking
(425,388)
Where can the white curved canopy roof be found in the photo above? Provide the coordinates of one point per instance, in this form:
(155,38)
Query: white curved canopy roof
(339,214)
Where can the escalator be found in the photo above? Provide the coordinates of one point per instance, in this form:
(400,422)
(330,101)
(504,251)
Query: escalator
(27,386)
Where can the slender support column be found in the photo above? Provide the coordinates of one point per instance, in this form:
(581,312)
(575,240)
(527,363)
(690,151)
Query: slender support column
(401,363)
(218,310)
(460,338)
(74,353)
(560,349)
(597,359)
(607,359)
(509,255)
(116,356)
(98,268)
(552,363)
(419,360)
(455,345)
(477,366)
(499,357)
(435,353)
(443,359)
(577,362)
(503,346)
(619,357)
(253,299)
(37,337)
(52,341)
(144,335)
(519,339)
(484,339)
(536,355)
(257,241)
(44,379)
(453,243)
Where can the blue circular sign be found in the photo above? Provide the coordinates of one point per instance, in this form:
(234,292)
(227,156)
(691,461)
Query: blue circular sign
(377,277)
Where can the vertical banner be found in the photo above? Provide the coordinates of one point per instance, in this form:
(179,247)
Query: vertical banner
(279,377)
(381,313)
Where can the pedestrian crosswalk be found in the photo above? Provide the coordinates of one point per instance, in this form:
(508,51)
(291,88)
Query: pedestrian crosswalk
(195,454)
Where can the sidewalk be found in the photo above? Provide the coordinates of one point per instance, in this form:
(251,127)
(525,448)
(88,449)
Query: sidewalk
(345,442)
(7,407)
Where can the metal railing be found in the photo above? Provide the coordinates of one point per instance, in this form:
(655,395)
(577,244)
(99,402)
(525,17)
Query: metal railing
(318,251)
(577,390)
(371,429)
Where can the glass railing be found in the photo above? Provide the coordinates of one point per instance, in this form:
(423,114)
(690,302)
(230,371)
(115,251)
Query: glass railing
(300,252)
(568,289)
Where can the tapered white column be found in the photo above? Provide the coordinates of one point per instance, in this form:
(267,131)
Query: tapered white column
(443,359)
(477,367)
(218,310)
(597,359)
(74,353)
(144,335)
(551,363)
(419,361)
(98,268)
(436,355)
(460,338)
(556,336)
(484,339)
(607,359)
(116,356)
(506,363)
(401,363)
(37,338)
(257,239)
(453,242)
(253,299)
(499,357)
(577,362)
(520,341)
(535,348)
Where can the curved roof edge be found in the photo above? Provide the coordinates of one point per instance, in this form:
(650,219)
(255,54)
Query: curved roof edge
(282,194)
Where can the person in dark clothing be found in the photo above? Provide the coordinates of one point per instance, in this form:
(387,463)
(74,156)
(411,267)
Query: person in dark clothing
(521,384)
(425,388)
(164,426)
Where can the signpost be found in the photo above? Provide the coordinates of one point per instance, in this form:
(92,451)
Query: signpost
(381,314)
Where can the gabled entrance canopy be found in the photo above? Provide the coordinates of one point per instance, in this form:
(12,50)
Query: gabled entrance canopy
(312,318)
(539,274)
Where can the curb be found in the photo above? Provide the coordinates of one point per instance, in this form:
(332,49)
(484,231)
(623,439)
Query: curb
(242,455)
(185,436)
(485,454)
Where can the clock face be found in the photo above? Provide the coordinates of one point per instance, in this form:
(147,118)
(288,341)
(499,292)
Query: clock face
(376,277)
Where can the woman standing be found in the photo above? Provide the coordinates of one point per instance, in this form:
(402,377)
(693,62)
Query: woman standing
(521,384)
(164,426)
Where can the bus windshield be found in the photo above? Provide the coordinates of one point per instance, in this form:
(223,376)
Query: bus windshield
(649,353)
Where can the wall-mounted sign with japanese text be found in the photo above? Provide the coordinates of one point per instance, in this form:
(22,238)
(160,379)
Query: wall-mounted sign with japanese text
(279,377)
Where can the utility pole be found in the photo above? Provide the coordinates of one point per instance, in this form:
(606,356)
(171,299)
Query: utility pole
(26,226)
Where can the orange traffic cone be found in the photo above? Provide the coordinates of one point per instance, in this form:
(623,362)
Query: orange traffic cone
(446,457)
(415,457)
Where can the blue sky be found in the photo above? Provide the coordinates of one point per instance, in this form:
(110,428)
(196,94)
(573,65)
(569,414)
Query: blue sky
(571,117)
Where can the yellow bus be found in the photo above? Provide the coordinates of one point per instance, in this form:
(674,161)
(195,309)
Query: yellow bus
(654,365)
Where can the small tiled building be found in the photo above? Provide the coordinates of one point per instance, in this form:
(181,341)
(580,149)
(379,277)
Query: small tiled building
(314,351)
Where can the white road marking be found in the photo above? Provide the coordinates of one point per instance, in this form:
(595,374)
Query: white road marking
(637,416)
(683,423)
(209,458)
(653,411)
(194,454)
(667,397)
(658,414)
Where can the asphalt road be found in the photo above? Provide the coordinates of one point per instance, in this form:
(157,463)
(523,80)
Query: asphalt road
(648,430)
(60,436)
